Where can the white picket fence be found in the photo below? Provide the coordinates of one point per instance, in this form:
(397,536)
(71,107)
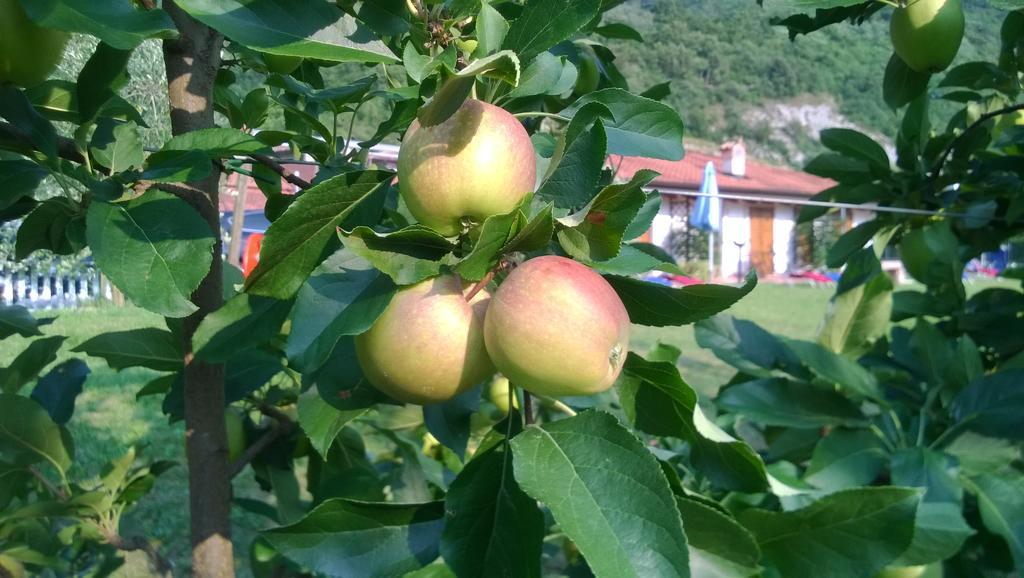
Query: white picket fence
(51,290)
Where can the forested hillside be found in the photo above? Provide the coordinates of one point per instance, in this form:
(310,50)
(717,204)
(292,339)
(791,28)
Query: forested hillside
(734,74)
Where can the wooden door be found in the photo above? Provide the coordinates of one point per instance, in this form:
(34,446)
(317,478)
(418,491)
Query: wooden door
(762,257)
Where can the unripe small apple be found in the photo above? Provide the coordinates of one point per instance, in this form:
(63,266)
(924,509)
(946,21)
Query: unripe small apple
(29,53)
(478,163)
(498,394)
(281,64)
(589,75)
(236,434)
(428,345)
(927,33)
(11,567)
(555,327)
(902,572)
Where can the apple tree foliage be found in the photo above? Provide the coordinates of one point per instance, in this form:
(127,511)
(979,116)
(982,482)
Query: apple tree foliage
(876,446)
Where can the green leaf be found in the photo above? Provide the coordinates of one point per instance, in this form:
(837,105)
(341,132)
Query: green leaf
(658,402)
(789,403)
(321,422)
(319,30)
(719,546)
(495,234)
(841,168)
(298,240)
(571,183)
(15,319)
(16,108)
(408,256)
(901,85)
(150,347)
(639,127)
(118,24)
(746,346)
(542,76)
(607,493)
(854,533)
(156,248)
(939,532)
(177,167)
(491,29)
(846,459)
(57,390)
(47,228)
(19,178)
(216,142)
(340,380)
(100,79)
(598,229)
(503,66)
(993,404)
(924,468)
(535,235)
(837,369)
(27,365)
(856,318)
(656,305)
(117,145)
(1001,501)
(348,538)
(28,435)
(344,296)
(451,421)
(545,23)
(492,525)
(978,454)
(57,100)
(851,242)
(856,145)
(243,322)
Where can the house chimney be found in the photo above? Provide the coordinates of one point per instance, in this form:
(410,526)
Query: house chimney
(734,158)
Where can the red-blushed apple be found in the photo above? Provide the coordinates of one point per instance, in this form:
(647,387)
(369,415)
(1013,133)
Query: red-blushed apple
(555,327)
(927,33)
(478,163)
(428,345)
(28,52)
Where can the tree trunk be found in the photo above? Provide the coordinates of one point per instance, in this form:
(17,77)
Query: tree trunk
(192,61)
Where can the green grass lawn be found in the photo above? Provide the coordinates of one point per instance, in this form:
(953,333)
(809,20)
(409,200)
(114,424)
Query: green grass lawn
(108,419)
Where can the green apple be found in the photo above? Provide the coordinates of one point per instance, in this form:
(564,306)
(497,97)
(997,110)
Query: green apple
(428,344)
(236,434)
(478,163)
(555,327)
(902,572)
(589,75)
(498,394)
(281,64)
(29,53)
(927,33)
(9,567)
(1006,121)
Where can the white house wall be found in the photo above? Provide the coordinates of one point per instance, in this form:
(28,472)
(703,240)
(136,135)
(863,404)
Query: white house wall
(661,227)
(735,229)
(782,236)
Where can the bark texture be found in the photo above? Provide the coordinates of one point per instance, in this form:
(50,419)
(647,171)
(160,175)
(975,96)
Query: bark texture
(191,61)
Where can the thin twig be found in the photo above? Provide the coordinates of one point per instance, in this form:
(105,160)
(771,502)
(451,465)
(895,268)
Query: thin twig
(278,168)
(283,426)
(956,141)
(66,148)
(480,286)
(57,492)
(528,407)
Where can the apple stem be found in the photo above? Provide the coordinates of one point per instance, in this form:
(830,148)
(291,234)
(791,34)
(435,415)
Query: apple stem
(558,405)
(479,286)
(528,407)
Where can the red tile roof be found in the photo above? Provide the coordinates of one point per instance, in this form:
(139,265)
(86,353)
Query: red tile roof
(688,173)
(254,199)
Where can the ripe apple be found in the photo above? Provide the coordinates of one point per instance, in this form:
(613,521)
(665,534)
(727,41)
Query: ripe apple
(281,64)
(927,33)
(480,162)
(428,345)
(236,434)
(555,327)
(28,52)
(902,572)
